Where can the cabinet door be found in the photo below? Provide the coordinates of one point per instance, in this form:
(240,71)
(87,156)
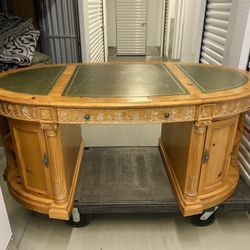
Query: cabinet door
(217,154)
(30,147)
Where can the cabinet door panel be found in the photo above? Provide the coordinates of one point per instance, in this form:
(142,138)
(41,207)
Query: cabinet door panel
(218,146)
(30,146)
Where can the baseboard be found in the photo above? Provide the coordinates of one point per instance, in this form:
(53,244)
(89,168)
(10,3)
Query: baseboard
(11,245)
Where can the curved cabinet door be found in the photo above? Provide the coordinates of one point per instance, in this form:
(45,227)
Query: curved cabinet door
(217,154)
(30,147)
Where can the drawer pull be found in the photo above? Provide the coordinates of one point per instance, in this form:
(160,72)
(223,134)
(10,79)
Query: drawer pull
(87,117)
(167,115)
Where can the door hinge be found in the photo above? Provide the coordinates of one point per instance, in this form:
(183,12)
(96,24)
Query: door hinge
(45,160)
(205,156)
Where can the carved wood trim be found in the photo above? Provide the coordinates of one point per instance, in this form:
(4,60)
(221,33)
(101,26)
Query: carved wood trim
(49,126)
(18,111)
(202,114)
(104,116)
(230,108)
(47,114)
(28,112)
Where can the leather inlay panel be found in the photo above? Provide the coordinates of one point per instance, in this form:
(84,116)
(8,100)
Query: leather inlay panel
(210,79)
(123,80)
(37,81)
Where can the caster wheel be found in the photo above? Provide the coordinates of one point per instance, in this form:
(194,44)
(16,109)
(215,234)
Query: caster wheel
(198,221)
(206,218)
(82,221)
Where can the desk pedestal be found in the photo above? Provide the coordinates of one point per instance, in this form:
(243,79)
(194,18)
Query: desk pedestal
(201,162)
(43,163)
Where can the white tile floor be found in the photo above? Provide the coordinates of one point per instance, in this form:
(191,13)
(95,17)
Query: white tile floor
(32,231)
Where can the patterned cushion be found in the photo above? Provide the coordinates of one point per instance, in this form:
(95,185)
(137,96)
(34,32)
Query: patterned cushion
(21,49)
(18,41)
(15,31)
(7,22)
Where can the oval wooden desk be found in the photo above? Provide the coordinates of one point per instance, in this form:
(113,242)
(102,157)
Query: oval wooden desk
(201,109)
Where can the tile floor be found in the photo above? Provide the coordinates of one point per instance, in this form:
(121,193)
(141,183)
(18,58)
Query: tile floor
(152,55)
(32,231)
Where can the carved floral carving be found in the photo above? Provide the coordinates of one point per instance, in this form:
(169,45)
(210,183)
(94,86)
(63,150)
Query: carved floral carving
(26,112)
(46,114)
(150,115)
(51,129)
(203,114)
(19,111)
(232,107)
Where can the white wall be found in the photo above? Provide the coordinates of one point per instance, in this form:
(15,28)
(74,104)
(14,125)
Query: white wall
(153,26)
(191,30)
(111,23)
(83,29)
(121,135)
(199,35)
(238,40)
(5,231)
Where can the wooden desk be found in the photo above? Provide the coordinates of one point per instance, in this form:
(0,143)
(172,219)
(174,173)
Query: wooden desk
(201,108)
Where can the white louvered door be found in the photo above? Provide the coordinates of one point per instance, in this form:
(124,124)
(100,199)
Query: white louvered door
(244,150)
(215,31)
(94,31)
(131,27)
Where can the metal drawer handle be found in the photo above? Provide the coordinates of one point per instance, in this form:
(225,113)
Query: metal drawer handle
(167,115)
(87,117)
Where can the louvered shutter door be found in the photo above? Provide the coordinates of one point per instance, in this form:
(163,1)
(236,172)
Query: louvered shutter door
(215,31)
(244,150)
(131,27)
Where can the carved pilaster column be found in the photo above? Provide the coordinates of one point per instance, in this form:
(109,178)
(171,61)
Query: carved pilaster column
(195,159)
(56,164)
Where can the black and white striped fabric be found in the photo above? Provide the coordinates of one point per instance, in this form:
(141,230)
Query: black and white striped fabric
(18,41)
(8,22)
(8,35)
(21,49)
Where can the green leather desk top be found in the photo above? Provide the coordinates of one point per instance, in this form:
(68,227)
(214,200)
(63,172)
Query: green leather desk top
(35,82)
(209,79)
(123,80)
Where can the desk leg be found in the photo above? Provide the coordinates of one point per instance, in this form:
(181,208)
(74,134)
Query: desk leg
(56,164)
(194,162)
